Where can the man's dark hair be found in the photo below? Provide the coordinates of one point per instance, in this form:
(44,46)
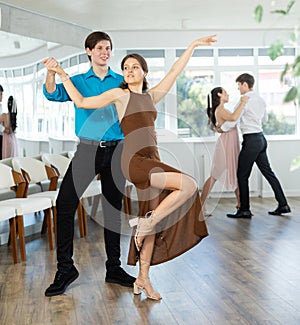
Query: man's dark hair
(95,37)
(1,89)
(246,77)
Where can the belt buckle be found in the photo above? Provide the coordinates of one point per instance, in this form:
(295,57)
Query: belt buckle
(101,145)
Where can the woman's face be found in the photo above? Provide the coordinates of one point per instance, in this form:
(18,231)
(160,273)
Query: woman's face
(133,72)
(224,97)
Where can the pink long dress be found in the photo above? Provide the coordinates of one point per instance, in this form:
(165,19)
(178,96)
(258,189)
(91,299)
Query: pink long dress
(9,141)
(225,160)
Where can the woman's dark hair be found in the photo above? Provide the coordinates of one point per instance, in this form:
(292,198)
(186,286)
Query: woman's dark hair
(144,66)
(12,109)
(213,101)
(246,77)
(94,38)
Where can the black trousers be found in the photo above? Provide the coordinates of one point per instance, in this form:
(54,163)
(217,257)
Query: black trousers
(90,160)
(254,150)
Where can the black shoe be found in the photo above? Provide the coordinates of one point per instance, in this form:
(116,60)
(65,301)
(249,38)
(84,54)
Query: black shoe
(119,276)
(280,210)
(240,214)
(61,282)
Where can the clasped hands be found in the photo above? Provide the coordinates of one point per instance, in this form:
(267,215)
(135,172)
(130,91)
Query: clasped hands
(52,65)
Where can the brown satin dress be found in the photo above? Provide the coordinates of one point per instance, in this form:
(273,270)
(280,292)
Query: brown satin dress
(185,227)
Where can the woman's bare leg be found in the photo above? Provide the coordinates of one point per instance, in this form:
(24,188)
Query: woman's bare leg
(182,186)
(237,194)
(143,281)
(207,187)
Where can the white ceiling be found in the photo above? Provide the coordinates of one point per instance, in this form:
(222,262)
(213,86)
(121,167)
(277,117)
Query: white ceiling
(156,14)
(148,15)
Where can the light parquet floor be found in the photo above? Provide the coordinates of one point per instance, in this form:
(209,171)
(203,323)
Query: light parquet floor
(245,272)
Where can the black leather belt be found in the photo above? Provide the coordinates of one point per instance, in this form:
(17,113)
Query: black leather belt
(101,144)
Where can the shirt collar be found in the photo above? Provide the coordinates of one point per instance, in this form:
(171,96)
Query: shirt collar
(249,93)
(90,73)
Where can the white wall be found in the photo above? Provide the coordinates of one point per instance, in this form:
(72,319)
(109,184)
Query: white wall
(193,156)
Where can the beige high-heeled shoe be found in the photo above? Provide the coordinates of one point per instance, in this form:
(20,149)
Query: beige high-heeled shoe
(145,285)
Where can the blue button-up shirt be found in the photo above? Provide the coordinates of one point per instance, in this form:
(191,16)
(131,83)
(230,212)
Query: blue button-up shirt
(94,124)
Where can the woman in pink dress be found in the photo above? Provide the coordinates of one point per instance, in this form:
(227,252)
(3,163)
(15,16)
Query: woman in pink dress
(9,120)
(224,164)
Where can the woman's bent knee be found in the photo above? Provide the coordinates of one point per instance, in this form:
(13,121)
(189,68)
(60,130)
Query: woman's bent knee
(189,185)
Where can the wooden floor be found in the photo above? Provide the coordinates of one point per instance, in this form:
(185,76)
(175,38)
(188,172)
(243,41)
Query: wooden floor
(245,272)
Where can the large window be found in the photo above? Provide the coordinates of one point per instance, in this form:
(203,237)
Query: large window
(193,86)
(183,111)
(282,116)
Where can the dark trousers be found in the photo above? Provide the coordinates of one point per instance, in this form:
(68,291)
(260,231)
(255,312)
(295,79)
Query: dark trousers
(254,150)
(90,160)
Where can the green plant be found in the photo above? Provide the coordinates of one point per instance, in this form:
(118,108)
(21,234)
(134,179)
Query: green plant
(192,101)
(277,49)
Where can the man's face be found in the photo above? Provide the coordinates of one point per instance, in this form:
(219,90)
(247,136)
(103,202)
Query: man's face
(243,87)
(101,53)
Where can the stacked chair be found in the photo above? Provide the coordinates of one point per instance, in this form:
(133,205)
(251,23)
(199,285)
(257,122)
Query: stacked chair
(21,205)
(61,163)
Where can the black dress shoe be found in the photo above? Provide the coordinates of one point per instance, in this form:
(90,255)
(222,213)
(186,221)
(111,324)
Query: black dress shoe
(280,210)
(61,282)
(240,214)
(119,276)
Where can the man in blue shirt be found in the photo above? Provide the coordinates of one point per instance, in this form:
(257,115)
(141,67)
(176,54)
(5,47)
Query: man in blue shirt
(99,151)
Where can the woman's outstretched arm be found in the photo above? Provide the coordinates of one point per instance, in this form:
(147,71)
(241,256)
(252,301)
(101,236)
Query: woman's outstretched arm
(100,101)
(163,87)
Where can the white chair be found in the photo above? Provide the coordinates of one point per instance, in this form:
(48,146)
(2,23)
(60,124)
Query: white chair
(61,164)
(36,172)
(23,206)
(9,213)
(71,154)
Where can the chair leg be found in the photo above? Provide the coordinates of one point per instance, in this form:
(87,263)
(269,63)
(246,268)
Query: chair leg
(95,205)
(13,238)
(54,219)
(84,221)
(44,227)
(48,218)
(20,225)
(127,201)
(80,219)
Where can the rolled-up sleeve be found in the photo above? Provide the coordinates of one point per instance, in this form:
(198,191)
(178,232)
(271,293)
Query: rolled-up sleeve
(59,95)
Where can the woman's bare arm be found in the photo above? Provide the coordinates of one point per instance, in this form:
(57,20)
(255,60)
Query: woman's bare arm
(109,97)
(163,87)
(2,117)
(227,116)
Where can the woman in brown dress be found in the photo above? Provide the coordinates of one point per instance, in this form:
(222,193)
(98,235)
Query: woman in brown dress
(170,220)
